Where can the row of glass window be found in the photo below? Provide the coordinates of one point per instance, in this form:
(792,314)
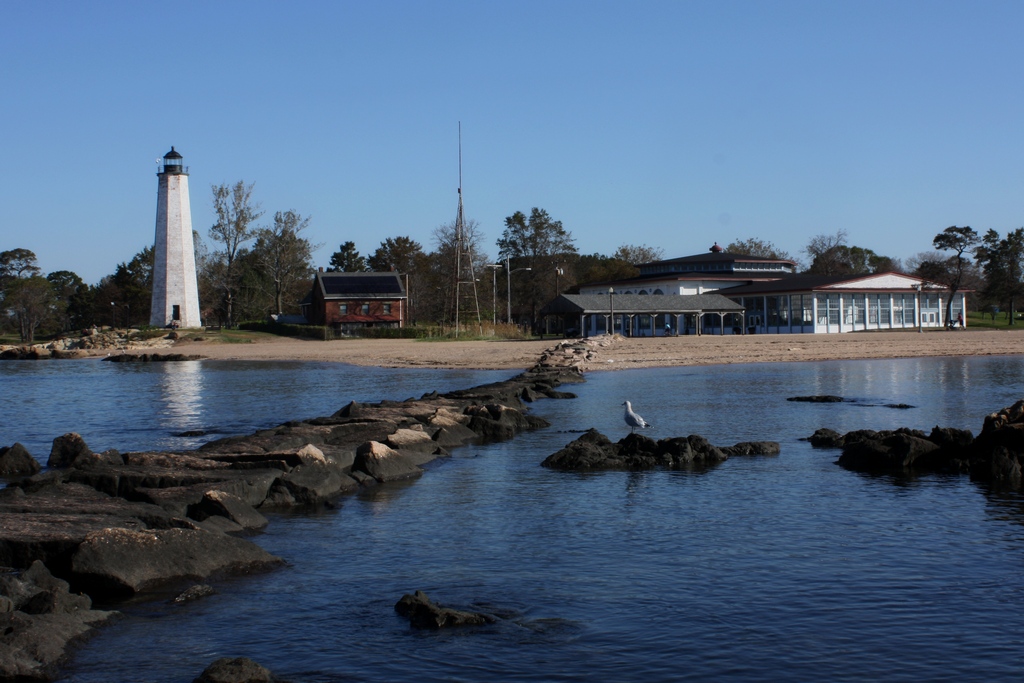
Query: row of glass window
(364,309)
(856,309)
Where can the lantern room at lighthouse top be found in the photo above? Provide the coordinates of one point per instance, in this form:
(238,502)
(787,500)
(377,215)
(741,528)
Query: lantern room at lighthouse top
(172,163)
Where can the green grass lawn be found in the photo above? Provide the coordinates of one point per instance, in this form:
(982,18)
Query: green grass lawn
(229,336)
(1002,321)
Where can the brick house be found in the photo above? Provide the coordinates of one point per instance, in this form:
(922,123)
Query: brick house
(346,301)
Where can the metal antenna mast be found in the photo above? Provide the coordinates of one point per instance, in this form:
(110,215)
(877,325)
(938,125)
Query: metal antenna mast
(464,274)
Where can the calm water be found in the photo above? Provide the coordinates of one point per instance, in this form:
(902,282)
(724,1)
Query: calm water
(758,569)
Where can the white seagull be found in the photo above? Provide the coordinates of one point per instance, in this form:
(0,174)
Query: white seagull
(634,420)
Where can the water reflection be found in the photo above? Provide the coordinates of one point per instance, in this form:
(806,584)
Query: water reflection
(181,392)
(1003,502)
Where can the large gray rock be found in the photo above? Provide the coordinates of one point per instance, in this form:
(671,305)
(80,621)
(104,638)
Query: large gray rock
(39,618)
(895,452)
(594,451)
(746,448)
(309,485)
(411,440)
(423,613)
(66,448)
(998,452)
(689,451)
(16,460)
(899,451)
(124,562)
(499,422)
(236,670)
(49,523)
(384,463)
(221,504)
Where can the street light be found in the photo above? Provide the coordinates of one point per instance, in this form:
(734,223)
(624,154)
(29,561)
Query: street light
(508,286)
(611,312)
(920,311)
(494,291)
(113,311)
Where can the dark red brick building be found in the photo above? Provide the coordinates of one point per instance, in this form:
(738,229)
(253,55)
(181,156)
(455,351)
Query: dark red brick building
(346,301)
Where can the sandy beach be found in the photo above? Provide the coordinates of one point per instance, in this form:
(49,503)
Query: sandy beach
(620,353)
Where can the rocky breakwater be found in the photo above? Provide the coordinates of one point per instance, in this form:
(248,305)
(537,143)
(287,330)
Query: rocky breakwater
(117,524)
(595,451)
(996,455)
(90,342)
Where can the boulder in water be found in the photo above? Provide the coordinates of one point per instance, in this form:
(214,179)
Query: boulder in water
(16,460)
(66,449)
(236,670)
(423,613)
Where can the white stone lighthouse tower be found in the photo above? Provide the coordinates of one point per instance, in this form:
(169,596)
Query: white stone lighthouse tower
(175,288)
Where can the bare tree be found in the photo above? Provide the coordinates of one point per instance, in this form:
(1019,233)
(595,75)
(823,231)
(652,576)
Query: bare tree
(285,259)
(828,254)
(236,213)
(913,264)
(444,262)
(32,302)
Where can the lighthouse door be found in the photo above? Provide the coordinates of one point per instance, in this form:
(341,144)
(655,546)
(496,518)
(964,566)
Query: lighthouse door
(176,312)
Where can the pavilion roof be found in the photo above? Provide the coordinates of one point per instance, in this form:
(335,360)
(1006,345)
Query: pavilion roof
(650,304)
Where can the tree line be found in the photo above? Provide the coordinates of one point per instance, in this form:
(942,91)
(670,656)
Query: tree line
(249,270)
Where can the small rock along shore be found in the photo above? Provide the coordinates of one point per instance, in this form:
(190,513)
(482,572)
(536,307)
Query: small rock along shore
(95,528)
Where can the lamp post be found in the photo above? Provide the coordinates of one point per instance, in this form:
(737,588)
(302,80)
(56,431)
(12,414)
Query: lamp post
(920,312)
(113,312)
(508,286)
(494,291)
(611,311)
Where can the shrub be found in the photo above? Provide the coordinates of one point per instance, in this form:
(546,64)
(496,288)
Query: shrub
(288,329)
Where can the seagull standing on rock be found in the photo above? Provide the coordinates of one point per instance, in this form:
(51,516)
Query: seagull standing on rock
(634,420)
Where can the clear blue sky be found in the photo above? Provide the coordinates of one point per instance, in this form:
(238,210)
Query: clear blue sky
(670,124)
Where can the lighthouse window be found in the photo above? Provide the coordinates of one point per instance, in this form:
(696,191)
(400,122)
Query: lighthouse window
(176,312)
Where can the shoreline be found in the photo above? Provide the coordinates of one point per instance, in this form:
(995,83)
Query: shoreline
(618,354)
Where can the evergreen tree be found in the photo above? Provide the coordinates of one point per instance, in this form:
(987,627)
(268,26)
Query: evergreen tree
(540,243)
(347,260)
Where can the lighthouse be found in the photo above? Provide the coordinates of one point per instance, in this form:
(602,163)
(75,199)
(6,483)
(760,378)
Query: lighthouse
(175,289)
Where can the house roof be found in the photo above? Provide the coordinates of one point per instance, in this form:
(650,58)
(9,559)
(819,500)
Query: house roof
(650,304)
(721,276)
(719,257)
(809,282)
(334,285)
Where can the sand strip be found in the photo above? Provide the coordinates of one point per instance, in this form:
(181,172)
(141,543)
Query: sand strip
(622,353)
